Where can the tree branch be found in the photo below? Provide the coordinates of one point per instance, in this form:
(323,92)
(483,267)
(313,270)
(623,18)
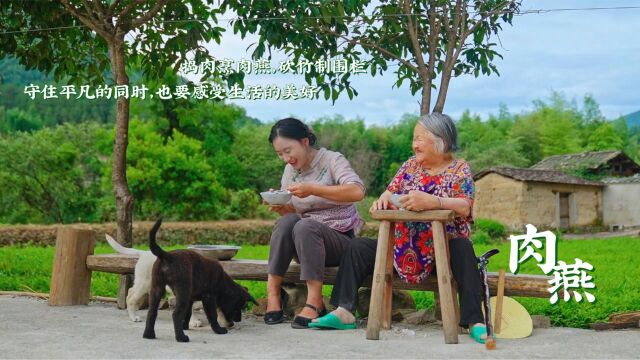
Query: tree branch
(496,11)
(466,32)
(128,8)
(103,19)
(375,47)
(463,36)
(113,7)
(101,11)
(149,15)
(413,37)
(87,21)
(432,39)
(449,60)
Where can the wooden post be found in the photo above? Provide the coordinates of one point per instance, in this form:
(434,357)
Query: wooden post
(445,279)
(378,283)
(499,299)
(70,279)
(125,283)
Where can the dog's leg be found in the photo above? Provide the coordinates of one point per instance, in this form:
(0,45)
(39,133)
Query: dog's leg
(222,320)
(197,321)
(187,318)
(135,298)
(183,303)
(210,309)
(155,295)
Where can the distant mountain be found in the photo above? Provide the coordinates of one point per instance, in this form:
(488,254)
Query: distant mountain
(633,119)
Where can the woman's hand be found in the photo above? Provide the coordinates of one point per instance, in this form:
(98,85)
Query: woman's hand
(419,201)
(282,209)
(383,203)
(303,190)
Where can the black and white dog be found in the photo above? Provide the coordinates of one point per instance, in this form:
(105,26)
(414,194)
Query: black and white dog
(139,293)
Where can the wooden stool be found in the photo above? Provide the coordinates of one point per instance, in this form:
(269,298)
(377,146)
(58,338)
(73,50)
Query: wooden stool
(382,285)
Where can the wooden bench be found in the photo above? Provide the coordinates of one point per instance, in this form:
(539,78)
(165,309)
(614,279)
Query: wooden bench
(74,262)
(515,285)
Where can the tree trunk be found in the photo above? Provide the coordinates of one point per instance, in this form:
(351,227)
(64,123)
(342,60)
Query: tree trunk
(444,88)
(426,99)
(124,199)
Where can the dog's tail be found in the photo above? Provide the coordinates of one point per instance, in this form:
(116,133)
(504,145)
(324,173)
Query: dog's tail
(121,249)
(153,246)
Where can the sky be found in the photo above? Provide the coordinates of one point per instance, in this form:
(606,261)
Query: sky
(576,53)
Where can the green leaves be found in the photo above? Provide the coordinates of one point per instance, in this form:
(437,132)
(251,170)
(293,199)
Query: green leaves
(378,33)
(81,56)
(49,176)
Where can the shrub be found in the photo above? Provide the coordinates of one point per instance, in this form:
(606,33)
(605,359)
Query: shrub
(50,175)
(246,204)
(173,178)
(492,228)
(480,237)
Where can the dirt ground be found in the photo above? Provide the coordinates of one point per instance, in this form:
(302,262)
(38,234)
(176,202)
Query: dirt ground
(29,328)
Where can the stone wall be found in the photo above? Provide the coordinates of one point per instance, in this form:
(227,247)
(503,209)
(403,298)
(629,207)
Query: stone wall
(621,204)
(500,198)
(542,201)
(516,203)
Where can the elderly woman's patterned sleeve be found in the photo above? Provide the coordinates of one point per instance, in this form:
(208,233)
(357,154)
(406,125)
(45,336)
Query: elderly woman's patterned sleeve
(463,185)
(396,184)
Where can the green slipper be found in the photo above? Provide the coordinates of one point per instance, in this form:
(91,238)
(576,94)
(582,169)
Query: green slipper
(331,321)
(477,331)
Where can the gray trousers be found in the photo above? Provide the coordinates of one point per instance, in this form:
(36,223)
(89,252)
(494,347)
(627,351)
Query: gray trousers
(313,244)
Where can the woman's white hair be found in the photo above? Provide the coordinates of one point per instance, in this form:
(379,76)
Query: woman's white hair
(443,129)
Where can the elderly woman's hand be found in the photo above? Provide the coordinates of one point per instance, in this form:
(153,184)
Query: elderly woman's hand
(383,203)
(419,201)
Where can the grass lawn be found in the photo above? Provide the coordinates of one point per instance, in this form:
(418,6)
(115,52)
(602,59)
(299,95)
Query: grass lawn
(616,275)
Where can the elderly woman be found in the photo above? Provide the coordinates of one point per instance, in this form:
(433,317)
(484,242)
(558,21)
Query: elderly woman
(432,179)
(317,224)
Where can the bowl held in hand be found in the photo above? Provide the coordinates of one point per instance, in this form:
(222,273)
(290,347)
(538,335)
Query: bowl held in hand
(276,197)
(395,200)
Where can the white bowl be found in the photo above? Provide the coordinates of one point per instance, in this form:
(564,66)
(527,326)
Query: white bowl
(395,200)
(276,197)
(216,252)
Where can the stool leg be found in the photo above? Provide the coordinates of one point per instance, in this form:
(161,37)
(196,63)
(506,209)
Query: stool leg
(388,285)
(378,283)
(445,279)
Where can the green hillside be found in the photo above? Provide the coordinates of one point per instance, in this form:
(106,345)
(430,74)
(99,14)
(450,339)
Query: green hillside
(633,119)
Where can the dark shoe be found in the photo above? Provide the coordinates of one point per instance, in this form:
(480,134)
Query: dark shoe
(301,322)
(276,317)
